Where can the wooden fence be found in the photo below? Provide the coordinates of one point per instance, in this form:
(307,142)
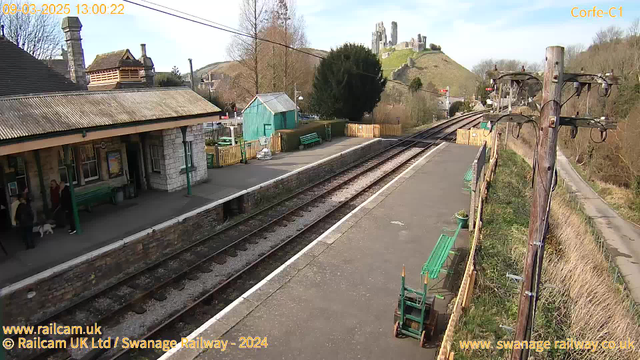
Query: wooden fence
(466,287)
(229,155)
(473,136)
(372,130)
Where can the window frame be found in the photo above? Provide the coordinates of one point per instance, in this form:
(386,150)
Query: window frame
(88,162)
(62,166)
(156,156)
(189,153)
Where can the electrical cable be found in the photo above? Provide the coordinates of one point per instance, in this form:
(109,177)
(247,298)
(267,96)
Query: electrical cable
(231,30)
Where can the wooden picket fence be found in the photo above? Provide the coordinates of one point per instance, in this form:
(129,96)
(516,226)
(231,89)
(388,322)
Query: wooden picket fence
(372,130)
(229,155)
(473,136)
(466,287)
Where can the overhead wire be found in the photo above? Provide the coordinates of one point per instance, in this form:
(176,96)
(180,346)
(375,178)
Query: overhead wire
(212,24)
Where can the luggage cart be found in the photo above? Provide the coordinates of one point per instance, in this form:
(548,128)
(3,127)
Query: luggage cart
(415,315)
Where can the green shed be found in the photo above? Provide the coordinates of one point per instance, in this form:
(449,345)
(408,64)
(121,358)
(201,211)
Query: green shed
(267,113)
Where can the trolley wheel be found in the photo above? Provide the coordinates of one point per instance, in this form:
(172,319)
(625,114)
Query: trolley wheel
(396,329)
(423,339)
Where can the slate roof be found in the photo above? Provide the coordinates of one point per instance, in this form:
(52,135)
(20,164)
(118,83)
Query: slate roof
(61,66)
(113,60)
(21,73)
(275,102)
(37,114)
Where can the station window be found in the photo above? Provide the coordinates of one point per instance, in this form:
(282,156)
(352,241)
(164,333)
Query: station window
(156,155)
(62,170)
(189,155)
(89,162)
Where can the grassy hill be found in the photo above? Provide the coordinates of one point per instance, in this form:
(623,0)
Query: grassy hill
(435,67)
(232,68)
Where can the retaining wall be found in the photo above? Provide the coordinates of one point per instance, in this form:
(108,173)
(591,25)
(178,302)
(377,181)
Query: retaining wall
(37,297)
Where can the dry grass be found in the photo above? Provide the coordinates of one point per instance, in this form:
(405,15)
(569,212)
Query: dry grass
(598,310)
(620,198)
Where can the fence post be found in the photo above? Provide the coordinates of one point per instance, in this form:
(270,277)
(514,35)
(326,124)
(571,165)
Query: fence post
(216,152)
(473,188)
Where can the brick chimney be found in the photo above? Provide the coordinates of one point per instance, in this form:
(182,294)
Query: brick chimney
(148,73)
(71,27)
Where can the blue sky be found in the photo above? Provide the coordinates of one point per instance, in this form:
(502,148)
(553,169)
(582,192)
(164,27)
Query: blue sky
(467,30)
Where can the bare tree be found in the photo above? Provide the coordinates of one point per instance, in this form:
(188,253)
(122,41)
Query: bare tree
(285,27)
(482,67)
(610,34)
(38,34)
(634,28)
(245,50)
(571,53)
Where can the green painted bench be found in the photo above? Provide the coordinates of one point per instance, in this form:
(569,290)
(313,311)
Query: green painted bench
(95,196)
(309,139)
(467,179)
(439,255)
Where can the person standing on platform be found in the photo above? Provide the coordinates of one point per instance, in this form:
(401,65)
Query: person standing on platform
(67,207)
(54,196)
(24,219)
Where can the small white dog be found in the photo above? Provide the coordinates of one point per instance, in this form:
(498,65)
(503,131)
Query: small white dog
(44,228)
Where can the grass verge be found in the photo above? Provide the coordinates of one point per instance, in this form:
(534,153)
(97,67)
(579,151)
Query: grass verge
(621,199)
(578,300)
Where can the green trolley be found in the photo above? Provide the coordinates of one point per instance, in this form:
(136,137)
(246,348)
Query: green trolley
(415,315)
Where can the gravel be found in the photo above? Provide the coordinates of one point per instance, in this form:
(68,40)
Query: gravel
(134,325)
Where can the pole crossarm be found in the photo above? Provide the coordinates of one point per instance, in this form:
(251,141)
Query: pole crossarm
(591,78)
(513,76)
(587,122)
(601,123)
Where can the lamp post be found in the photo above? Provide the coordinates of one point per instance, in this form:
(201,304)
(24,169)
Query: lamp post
(296,97)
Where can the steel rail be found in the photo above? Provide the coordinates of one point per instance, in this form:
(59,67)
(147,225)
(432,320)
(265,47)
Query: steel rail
(181,273)
(271,251)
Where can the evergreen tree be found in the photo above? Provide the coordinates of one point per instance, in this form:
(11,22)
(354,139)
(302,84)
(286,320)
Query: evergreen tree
(348,83)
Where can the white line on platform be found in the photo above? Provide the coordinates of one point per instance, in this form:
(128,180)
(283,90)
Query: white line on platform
(257,286)
(123,242)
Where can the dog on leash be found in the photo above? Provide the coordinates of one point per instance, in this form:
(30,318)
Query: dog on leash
(44,229)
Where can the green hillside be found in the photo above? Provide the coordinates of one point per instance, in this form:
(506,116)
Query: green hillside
(435,67)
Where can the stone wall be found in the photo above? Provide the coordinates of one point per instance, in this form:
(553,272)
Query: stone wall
(39,296)
(57,289)
(174,157)
(50,160)
(296,181)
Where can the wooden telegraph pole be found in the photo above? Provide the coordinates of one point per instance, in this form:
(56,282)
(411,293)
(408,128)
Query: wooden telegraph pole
(544,168)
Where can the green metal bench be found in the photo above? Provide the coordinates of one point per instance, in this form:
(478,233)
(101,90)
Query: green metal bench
(95,196)
(467,179)
(309,139)
(225,141)
(439,255)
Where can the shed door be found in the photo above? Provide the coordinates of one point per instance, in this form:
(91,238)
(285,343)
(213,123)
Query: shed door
(268,130)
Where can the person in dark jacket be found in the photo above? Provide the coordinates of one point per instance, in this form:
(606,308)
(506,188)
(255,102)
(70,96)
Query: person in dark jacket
(24,220)
(67,207)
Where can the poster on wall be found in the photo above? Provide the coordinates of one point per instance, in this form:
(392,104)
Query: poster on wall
(114,162)
(13,188)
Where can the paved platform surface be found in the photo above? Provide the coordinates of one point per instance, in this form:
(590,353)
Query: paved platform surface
(108,223)
(336,301)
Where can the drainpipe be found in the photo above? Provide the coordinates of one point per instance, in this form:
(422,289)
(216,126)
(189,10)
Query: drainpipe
(70,171)
(186,158)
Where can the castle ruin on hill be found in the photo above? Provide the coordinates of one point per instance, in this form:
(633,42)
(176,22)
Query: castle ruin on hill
(379,40)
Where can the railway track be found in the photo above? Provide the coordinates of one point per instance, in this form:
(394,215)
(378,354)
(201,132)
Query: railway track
(175,295)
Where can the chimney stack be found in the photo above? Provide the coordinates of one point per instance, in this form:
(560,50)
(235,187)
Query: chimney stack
(71,27)
(148,73)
